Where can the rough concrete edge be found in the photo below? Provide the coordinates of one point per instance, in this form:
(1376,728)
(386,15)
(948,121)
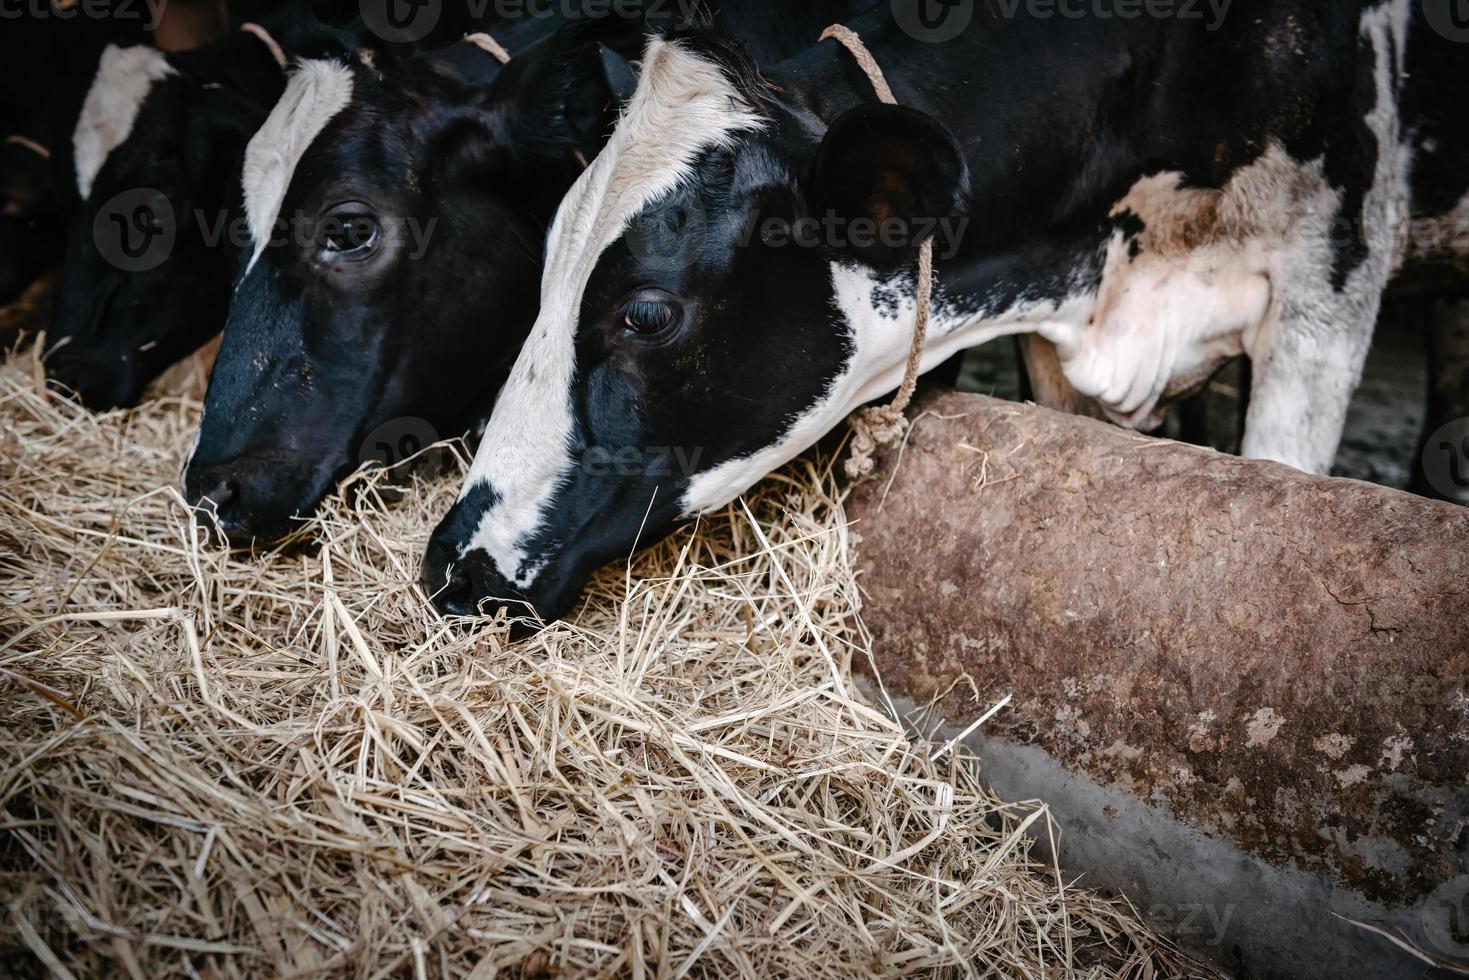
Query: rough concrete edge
(1229,908)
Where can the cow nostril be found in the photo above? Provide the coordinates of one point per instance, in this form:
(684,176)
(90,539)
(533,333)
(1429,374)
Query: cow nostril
(221,502)
(449,579)
(457,597)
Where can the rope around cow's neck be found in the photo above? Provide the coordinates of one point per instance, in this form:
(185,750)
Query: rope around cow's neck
(879,425)
(30,144)
(276,51)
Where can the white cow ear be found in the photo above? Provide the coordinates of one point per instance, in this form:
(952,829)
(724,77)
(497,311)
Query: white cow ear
(888,175)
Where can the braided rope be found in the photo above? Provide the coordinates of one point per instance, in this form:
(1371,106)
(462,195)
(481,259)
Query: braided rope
(880,425)
(276,51)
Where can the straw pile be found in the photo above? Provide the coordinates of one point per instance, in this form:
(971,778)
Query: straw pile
(215,764)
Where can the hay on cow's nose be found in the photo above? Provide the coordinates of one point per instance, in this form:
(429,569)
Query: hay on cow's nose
(215,764)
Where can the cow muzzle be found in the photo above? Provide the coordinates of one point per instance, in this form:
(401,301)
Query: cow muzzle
(253,500)
(468,584)
(98,379)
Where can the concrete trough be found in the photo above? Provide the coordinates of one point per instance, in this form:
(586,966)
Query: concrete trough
(1242,689)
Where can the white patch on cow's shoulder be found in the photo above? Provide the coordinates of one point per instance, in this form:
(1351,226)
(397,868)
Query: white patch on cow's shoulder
(684,105)
(124,78)
(316,92)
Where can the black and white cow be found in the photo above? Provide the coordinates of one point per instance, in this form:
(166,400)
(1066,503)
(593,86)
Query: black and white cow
(424,188)
(1151,196)
(146,184)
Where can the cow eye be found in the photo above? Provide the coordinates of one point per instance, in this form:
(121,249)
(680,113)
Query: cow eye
(648,312)
(349,233)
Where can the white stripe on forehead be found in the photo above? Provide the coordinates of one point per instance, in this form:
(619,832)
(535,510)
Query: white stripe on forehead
(316,92)
(684,105)
(124,78)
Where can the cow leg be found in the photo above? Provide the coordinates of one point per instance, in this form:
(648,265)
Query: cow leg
(1304,374)
(1447,324)
(1193,419)
(1023,387)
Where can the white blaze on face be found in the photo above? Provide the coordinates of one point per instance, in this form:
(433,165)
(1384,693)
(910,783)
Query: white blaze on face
(316,92)
(684,106)
(124,78)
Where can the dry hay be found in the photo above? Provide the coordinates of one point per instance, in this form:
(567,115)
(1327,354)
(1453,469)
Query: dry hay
(222,765)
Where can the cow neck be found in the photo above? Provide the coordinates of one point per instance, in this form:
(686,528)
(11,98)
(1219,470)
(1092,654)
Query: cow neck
(881,425)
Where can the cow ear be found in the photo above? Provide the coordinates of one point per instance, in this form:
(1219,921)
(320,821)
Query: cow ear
(621,77)
(565,93)
(887,175)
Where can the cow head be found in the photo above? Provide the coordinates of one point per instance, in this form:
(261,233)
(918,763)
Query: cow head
(147,266)
(398,215)
(695,332)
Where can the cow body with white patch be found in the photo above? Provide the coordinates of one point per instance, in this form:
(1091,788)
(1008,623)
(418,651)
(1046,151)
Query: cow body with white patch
(1148,197)
(426,185)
